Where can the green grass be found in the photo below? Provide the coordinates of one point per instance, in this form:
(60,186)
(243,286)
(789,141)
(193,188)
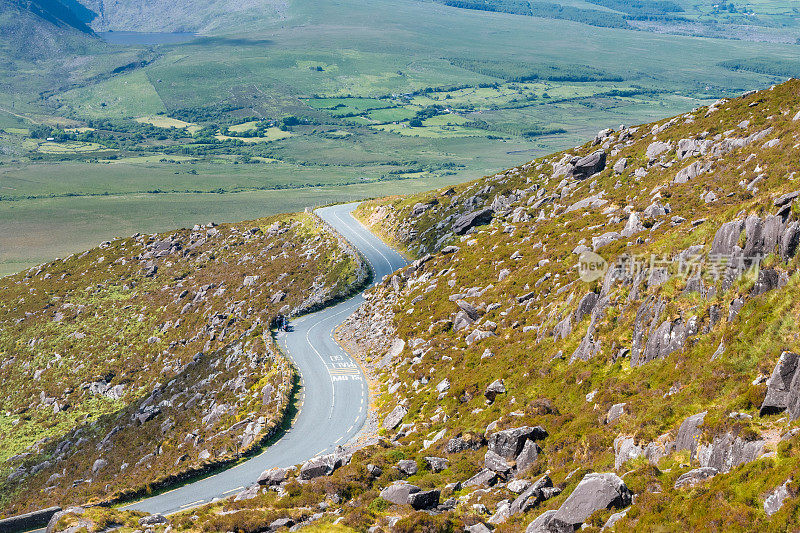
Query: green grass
(39,230)
(130,95)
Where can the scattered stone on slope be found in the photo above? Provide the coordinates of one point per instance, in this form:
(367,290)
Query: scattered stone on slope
(774,500)
(616,411)
(407,466)
(494,388)
(695,476)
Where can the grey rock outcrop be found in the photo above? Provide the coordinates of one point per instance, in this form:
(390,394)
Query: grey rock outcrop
(727,452)
(323,465)
(510,442)
(398,492)
(394,418)
(783,386)
(594,492)
(589,165)
(586,305)
(689,433)
(473,218)
(541,524)
(425,499)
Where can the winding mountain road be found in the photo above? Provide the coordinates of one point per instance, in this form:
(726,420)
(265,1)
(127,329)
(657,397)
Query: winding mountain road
(335,397)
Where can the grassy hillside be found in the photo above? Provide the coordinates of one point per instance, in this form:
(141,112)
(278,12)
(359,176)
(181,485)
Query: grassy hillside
(655,372)
(152,356)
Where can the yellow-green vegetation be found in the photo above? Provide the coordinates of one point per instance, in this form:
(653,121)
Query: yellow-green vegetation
(163,121)
(564,363)
(151,357)
(269,135)
(564,372)
(68,147)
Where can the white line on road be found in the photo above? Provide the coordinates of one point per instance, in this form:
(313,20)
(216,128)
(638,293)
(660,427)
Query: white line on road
(232,490)
(191,504)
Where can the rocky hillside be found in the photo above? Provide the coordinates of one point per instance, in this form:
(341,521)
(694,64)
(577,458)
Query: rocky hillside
(605,338)
(151,357)
(182,16)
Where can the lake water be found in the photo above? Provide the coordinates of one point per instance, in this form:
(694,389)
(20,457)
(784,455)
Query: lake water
(141,38)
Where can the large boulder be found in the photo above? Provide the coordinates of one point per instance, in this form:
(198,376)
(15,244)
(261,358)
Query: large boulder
(625,450)
(496,463)
(541,524)
(436,464)
(779,384)
(426,499)
(473,218)
(468,441)
(510,442)
(398,492)
(323,465)
(272,476)
(594,492)
(394,418)
(589,165)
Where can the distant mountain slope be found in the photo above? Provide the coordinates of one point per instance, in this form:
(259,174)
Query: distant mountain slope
(202,16)
(70,14)
(41,29)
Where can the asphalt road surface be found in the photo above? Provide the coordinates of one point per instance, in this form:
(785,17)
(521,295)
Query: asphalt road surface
(335,397)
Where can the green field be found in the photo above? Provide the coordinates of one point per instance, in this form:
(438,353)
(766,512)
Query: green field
(337,96)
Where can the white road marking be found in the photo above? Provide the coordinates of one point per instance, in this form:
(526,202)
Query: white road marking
(232,490)
(198,502)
